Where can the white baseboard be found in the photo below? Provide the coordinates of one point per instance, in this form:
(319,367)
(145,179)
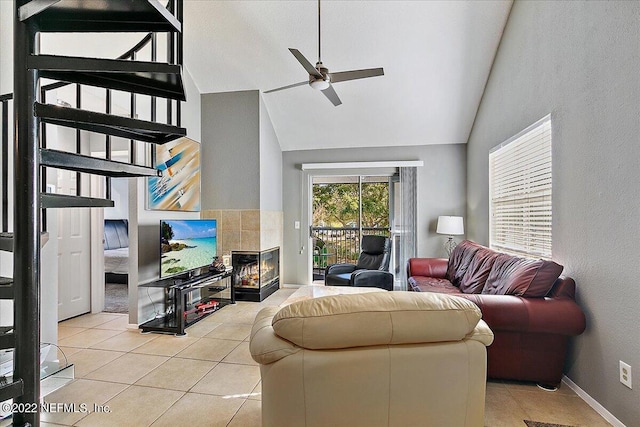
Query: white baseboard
(290,285)
(608,416)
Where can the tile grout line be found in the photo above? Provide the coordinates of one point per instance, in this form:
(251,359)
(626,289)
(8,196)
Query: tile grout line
(168,409)
(236,413)
(85,375)
(127,386)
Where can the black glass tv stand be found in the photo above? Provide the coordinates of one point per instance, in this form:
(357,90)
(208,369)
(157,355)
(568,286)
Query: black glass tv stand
(190,298)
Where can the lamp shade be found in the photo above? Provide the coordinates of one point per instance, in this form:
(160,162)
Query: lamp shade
(450,225)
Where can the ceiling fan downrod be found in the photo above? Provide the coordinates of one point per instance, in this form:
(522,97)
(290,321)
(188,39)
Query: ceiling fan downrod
(319,76)
(319,57)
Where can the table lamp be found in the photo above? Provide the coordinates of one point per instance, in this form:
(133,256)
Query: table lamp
(451,226)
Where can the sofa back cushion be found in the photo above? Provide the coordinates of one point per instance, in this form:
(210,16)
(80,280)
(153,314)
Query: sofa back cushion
(376,318)
(474,279)
(459,261)
(512,275)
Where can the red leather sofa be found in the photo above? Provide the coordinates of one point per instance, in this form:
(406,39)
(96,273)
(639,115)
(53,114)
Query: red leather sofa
(530,309)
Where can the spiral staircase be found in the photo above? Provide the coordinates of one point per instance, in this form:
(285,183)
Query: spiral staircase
(31,113)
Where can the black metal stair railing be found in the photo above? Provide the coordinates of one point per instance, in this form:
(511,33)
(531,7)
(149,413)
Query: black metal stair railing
(155,79)
(31,155)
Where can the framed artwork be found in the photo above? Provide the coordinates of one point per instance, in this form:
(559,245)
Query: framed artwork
(178,189)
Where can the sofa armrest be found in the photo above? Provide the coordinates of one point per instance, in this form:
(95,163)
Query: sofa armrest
(482,333)
(340,269)
(372,279)
(537,315)
(430,267)
(265,346)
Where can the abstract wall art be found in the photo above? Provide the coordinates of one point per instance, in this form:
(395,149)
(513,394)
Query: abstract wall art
(178,189)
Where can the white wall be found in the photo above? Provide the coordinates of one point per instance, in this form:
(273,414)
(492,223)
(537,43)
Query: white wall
(192,109)
(270,163)
(49,282)
(120,197)
(6,47)
(49,252)
(441,191)
(579,61)
(6,86)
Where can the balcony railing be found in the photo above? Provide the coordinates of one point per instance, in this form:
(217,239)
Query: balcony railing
(333,245)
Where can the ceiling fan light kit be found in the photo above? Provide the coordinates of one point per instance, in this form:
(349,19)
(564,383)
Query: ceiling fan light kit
(319,76)
(319,84)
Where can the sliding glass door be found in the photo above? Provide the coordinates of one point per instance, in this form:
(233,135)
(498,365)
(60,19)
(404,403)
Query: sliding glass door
(344,209)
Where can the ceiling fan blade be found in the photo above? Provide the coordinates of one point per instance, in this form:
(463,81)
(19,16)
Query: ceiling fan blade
(306,64)
(288,87)
(332,95)
(342,76)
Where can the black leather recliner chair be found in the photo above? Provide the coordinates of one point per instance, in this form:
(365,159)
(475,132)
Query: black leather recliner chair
(371,270)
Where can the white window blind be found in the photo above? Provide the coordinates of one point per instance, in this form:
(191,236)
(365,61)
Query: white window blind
(520,184)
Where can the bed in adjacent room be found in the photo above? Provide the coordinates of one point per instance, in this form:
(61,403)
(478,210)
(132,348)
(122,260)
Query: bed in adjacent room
(116,250)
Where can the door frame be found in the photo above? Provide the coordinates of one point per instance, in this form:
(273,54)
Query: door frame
(98,190)
(97,247)
(364,172)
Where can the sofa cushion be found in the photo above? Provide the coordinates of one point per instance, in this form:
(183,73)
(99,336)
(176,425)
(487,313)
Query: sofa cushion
(431,267)
(460,259)
(511,275)
(474,279)
(432,284)
(376,318)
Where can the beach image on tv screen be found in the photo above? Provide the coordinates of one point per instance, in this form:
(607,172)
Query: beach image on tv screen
(186,245)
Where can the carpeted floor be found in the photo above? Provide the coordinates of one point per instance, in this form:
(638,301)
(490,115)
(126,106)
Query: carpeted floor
(116,298)
(530,423)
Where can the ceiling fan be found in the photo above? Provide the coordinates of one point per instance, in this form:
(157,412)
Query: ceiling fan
(321,79)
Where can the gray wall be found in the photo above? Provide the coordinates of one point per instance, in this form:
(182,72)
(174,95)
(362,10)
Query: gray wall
(270,164)
(441,191)
(230,150)
(579,61)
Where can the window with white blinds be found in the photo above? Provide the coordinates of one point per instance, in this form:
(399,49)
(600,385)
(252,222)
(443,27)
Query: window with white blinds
(520,185)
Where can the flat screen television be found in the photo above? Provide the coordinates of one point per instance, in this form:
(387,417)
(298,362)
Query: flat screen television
(186,245)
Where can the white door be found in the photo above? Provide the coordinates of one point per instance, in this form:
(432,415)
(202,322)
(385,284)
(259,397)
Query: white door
(74,254)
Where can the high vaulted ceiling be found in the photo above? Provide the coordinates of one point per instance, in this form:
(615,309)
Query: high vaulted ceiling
(436,57)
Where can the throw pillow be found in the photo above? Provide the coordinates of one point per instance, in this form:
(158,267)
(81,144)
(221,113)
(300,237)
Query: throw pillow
(521,277)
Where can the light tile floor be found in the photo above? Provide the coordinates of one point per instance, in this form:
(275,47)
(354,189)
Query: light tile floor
(208,377)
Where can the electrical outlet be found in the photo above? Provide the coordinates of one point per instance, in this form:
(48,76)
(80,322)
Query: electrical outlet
(625,374)
(296,225)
